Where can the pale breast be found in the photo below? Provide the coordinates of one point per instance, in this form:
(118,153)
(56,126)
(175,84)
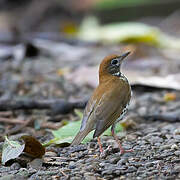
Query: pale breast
(124,111)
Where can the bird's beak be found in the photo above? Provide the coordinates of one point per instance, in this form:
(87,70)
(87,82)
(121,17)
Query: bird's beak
(124,55)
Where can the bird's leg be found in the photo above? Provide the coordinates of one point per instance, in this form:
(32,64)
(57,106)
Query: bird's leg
(100,145)
(122,151)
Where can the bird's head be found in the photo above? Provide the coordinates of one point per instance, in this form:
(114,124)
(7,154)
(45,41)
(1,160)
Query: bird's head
(111,66)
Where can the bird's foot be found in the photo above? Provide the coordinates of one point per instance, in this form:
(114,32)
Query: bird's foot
(100,145)
(122,151)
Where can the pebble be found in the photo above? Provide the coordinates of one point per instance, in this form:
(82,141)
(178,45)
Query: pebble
(122,162)
(92,145)
(177,131)
(177,168)
(149,164)
(175,160)
(164,147)
(89,176)
(15,166)
(107,172)
(177,137)
(131,169)
(174,147)
(143,163)
(177,153)
(114,160)
(72,165)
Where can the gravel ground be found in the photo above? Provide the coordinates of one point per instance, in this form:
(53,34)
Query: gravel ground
(156,155)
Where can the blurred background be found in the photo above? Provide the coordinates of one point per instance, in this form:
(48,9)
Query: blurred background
(64,16)
(52,48)
(60,39)
(49,56)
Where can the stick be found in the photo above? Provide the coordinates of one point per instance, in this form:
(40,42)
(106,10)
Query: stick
(58,106)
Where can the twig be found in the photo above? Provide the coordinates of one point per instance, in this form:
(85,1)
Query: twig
(18,128)
(58,106)
(169,117)
(11,121)
(6,114)
(63,173)
(48,125)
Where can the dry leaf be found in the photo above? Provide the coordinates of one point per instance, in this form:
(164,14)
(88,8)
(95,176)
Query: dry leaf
(169,97)
(33,146)
(84,76)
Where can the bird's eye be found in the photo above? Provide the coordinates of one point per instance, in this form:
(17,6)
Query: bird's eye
(114,61)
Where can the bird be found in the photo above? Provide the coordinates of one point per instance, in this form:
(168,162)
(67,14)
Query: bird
(108,103)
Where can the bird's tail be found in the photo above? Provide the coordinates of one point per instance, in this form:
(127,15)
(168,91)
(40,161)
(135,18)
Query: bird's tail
(79,137)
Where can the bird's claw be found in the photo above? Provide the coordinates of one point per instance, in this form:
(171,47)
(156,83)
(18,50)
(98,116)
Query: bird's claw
(122,151)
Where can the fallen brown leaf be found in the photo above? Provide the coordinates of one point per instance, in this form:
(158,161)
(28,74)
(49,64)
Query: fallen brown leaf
(33,146)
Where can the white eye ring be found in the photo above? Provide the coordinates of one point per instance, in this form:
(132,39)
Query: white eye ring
(114,61)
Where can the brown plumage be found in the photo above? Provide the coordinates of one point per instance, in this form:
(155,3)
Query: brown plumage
(109,100)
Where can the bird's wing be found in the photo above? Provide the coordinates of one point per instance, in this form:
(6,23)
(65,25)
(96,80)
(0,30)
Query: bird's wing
(107,112)
(87,112)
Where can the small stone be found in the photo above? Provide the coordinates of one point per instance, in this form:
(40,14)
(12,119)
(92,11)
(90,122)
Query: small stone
(117,172)
(50,154)
(140,173)
(165,154)
(35,163)
(164,147)
(142,111)
(77,148)
(177,137)
(102,164)
(155,171)
(92,144)
(169,128)
(177,131)
(154,140)
(81,161)
(114,160)
(175,161)
(131,169)
(141,169)
(177,153)
(137,164)
(107,172)
(149,164)
(72,165)
(89,176)
(174,147)
(7,177)
(23,172)
(15,166)
(89,168)
(122,162)
(177,168)
(157,144)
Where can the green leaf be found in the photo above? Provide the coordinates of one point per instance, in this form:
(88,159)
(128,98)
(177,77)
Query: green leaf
(11,150)
(113,4)
(79,114)
(126,32)
(67,133)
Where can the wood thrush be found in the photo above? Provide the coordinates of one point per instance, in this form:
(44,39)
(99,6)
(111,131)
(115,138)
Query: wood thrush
(109,101)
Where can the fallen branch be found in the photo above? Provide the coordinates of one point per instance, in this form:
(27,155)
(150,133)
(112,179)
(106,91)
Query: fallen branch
(18,127)
(56,107)
(11,121)
(168,117)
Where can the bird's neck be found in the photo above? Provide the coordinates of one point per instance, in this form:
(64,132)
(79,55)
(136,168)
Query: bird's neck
(123,77)
(108,77)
